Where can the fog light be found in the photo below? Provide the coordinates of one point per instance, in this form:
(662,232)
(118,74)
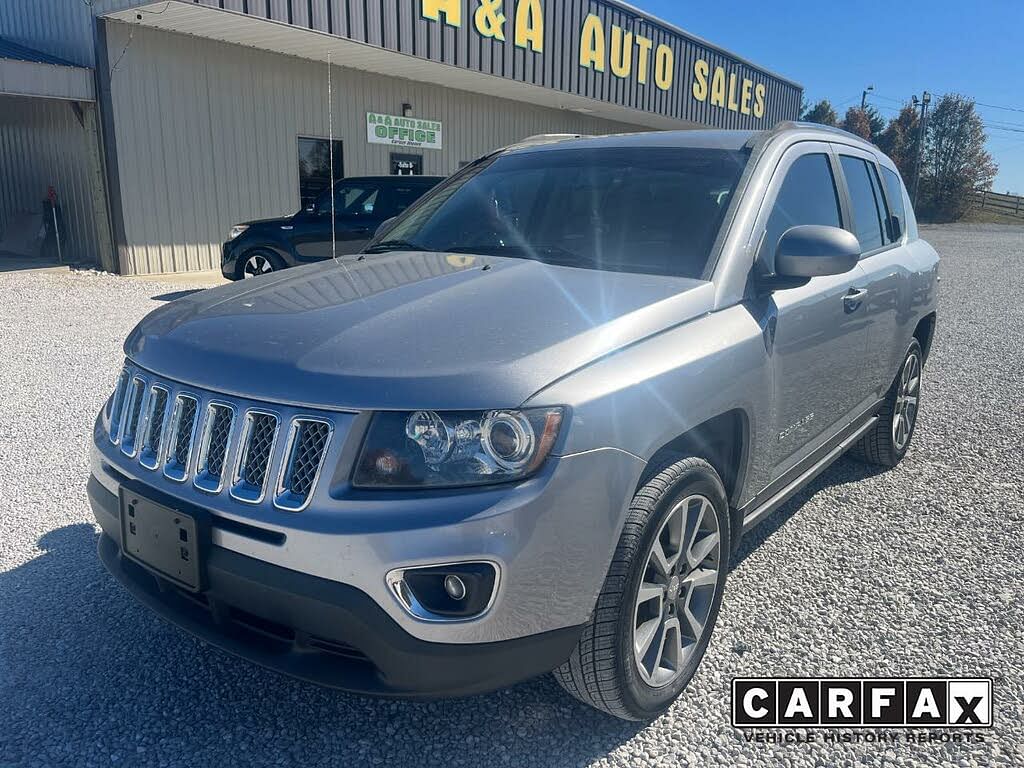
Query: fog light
(454,586)
(446,591)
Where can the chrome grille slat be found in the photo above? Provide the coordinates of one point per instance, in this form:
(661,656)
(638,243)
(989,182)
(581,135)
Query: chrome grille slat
(303,459)
(255,451)
(152,434)
(116,405)
(214,446)
(132,415)
(179,442)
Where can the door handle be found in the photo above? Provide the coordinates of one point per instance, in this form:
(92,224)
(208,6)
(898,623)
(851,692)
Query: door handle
(854,298)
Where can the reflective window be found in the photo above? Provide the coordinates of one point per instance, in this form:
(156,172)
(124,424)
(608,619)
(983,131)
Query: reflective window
(864,193)
(350,200)
(895,189)
(315,167)
(807,196)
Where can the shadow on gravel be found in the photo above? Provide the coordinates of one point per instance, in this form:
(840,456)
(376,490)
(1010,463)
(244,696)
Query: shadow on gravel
(176,294)
(843,471)
(89,677)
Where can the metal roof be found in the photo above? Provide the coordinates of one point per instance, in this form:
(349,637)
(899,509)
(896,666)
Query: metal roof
(11,50)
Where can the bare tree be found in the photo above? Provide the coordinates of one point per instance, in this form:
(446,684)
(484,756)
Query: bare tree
(955,162)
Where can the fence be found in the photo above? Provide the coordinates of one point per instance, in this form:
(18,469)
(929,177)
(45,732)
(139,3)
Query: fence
(1007,205)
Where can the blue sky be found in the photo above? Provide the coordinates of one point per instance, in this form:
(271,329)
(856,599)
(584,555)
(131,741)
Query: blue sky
(835,49)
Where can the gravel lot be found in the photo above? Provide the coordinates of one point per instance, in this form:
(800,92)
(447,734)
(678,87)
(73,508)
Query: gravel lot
(916,571)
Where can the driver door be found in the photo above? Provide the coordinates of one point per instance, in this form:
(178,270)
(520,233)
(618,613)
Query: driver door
(821,329)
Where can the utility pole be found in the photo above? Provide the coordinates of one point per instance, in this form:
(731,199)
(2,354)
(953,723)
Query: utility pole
(864,97)
(921,126)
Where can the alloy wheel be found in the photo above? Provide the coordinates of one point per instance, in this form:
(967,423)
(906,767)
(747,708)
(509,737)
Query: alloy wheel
(257,265)
(905,411)
(677,591)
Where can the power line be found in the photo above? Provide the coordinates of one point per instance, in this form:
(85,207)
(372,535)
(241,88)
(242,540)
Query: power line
(996,106)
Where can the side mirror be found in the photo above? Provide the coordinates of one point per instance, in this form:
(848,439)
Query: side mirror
(812,250)
(384,226)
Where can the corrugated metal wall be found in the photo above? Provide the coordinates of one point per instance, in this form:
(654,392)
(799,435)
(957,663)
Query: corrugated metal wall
(43,144)
(59,27)
(207,132)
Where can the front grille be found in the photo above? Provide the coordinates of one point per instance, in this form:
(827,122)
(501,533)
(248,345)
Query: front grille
(257,445)
(213,448)
(131,415)
(152,435)
(307,447)
(179,443)
(221,444)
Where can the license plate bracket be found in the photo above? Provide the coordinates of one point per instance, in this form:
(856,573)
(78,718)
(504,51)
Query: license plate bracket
(162,539)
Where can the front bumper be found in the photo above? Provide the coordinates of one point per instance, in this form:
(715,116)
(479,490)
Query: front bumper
(319,630)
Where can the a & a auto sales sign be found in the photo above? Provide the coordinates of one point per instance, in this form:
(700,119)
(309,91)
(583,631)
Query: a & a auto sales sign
(862,702)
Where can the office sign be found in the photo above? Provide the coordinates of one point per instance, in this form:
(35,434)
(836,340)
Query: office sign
(401,131)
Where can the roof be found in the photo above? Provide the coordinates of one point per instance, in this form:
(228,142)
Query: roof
(11,50)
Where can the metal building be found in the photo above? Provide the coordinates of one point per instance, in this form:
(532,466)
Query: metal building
(160,124)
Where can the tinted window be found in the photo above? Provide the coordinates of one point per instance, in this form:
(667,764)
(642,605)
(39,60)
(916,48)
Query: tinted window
(808,196)
(895,190)
(315,167)
(403,197)
(867,216)
(637,209)
(350,200)
(876,189)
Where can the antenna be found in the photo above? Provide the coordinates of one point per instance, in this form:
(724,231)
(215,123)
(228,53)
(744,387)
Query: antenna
(330,154)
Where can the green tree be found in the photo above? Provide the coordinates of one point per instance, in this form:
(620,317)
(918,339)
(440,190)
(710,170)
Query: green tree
(876,123)
(955,163)
(821,113)
(899,141)
(857,122)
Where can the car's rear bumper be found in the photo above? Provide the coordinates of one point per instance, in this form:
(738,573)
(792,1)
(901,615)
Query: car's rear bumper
(320,630)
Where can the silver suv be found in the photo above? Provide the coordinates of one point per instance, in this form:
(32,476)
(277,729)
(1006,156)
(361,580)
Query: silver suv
(526,429)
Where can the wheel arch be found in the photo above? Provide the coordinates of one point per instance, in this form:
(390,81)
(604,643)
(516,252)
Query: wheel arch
(925,334)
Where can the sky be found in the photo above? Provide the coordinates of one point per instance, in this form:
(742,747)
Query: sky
(901,47)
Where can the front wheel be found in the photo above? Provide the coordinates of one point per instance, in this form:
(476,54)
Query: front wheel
(887,442)
(256,263)
(660,600)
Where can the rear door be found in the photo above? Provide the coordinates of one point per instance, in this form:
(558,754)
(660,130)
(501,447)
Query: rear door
(820,336)
(876,202)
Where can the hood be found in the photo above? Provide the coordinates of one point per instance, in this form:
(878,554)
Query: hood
(276,222)
(408,330)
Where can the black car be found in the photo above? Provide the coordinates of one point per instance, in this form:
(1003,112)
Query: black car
(360,206)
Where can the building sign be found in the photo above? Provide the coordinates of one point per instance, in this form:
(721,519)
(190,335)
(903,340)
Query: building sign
(608,48)
(403,131)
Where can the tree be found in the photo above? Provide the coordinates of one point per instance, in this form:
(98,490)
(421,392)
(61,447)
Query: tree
(955,162)
(899,141)
(821,113)
(857,122)
(876,122)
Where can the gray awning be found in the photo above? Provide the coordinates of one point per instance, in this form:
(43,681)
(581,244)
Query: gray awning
(28,72)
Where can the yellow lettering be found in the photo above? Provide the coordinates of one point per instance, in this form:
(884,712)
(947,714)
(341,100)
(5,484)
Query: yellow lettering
(530,25)
(718,87)
(592,43)
(452,10)
(733,104)
(745,98)
(664,67)
(622,52)
(645,45)
(759,100)
(700,79)
(489,20)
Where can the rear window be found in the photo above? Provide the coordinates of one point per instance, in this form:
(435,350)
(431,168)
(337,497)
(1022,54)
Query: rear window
(653,210)
(868,210)
(895,190)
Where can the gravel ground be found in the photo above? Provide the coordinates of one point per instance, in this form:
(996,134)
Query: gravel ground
(915,571)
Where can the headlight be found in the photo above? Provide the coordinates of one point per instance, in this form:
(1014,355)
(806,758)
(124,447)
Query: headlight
(453,448)
(237,230)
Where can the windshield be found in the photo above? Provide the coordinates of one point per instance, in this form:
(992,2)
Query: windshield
(638,209)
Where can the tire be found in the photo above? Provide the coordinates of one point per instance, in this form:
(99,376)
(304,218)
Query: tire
(887,442)
(258,262)
(603,670)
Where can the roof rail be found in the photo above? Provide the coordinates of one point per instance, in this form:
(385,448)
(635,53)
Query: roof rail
(545,138)
(788,125)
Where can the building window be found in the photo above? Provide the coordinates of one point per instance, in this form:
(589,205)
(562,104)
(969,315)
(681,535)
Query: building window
(315,167)
(406,165)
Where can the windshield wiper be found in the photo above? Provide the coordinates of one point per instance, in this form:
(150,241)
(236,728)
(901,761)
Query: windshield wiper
(396,245)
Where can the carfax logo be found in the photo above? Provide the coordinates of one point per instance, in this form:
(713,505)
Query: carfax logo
(911,702)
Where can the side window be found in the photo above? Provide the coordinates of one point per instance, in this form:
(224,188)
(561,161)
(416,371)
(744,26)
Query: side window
(807,196)
(895,190)
(867,216)
(876,188)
